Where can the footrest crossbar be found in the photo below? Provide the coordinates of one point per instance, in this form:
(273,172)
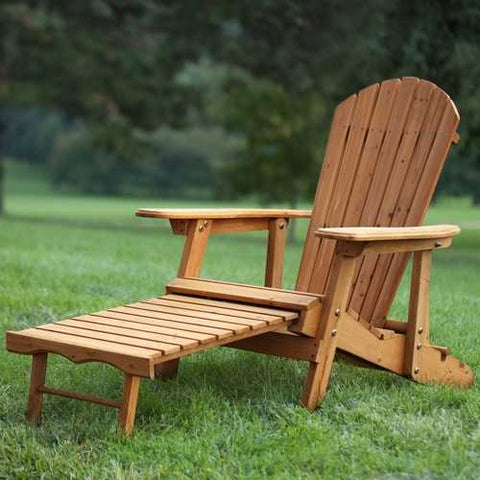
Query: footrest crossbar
(80,396)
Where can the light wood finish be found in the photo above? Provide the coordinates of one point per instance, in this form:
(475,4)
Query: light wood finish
(277,237)
(331,315)
(198,232)
(126,416)
(366,234)
(220,213)
(280,344)
(80,396)
(418,327)
(384,155)
(385,151)
(243,293)
(37,382)
(308,322)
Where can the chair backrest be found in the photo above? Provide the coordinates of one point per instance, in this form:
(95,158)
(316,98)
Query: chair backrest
(385,152)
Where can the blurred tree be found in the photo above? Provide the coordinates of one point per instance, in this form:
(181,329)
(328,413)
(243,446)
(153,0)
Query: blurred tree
(121,66)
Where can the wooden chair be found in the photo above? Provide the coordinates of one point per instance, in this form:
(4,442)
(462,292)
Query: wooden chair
(385,152)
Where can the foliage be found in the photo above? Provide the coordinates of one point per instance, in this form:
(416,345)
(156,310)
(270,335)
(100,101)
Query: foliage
(31,133)
(282,134)
(144,64)
(167,162)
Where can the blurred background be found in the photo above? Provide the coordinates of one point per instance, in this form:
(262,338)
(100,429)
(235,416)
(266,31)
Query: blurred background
(211,101)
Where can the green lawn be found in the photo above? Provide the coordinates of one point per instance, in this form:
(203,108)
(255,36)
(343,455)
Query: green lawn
(229,414)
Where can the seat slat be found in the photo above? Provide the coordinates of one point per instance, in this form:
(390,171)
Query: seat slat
(239,308)
(235,292)
(166,320)
(137,325)
(88,343)
(101,326)
(215,308)
(211,315)
(164,348)
(195,319)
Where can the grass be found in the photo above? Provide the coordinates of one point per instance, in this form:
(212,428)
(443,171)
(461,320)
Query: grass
(229,414)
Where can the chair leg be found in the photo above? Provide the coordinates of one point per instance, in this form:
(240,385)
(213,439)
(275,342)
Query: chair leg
(338,288)
(126,417)
(318,376)
(37,381)
(167,370)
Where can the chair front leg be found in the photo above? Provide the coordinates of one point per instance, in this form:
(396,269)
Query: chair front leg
(37,382)
(126,416)
(333,308)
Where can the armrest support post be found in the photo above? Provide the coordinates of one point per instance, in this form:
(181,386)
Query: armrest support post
(277,235)
(418,326)
(196,240)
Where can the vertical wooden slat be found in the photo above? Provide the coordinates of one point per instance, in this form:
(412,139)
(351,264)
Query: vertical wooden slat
(353,151)
(443,137)
(373,200)
(331,165)
(381,166)
(370,275)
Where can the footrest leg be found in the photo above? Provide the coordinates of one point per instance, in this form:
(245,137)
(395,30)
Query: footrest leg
(126,417)
(167,370)
(37,381)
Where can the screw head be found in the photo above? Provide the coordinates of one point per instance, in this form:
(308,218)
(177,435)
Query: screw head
(201,228)
(417,370)
(419,346)
(420,330)
(205,223)
(438,244)
(334,332)
(282,226)
(338,312)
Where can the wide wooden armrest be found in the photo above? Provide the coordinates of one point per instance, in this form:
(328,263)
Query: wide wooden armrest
(220,213)
(372,234)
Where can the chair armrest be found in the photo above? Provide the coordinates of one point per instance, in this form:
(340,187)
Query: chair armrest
(372,234)
(219,213)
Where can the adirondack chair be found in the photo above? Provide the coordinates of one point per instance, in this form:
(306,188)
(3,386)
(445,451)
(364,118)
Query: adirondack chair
(385,152)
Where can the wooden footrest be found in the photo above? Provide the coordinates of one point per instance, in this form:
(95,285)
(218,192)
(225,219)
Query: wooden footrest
(138,336)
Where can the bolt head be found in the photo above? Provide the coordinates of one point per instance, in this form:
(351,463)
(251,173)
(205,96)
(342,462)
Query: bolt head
(334,332)
(419,346)
(282,226)
(201,228)
(420,330)
(438,244)
(338,312)
(417,370)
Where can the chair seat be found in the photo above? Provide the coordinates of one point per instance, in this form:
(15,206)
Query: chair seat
(138,336)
